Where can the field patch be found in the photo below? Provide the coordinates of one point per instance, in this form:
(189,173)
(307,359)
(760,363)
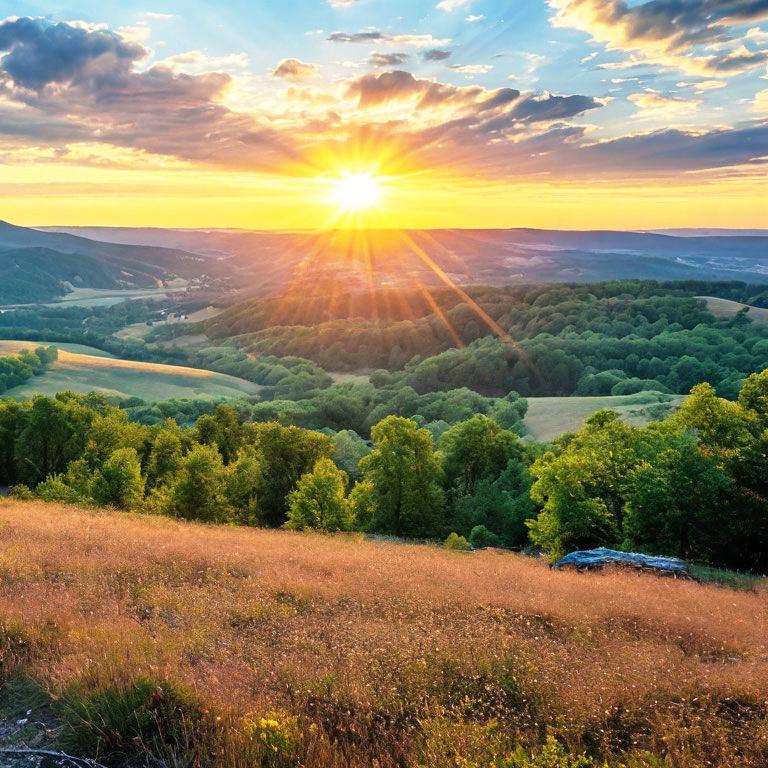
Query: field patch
(550,417)
(724,308)
(76,371)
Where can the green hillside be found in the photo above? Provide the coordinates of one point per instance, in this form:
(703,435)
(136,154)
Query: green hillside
(84,369)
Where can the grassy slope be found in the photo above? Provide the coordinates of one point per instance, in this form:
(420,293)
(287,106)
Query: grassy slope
(724,308)
(320,626)
(549,417)
(78,372)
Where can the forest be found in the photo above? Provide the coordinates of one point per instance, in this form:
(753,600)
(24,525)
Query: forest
(692,485)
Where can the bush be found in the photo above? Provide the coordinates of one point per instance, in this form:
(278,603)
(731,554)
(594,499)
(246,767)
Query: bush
(481,537)
(456,542)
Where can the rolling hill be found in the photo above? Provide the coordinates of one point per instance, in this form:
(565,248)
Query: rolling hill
(38,266)
(84,369)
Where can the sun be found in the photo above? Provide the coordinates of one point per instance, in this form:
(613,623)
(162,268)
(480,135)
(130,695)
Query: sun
(356,192)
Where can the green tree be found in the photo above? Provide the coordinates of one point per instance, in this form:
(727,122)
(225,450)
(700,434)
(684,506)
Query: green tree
(405,473)
(318,501)
(475,449)
(165,454)
(119,482)
(199,492)
(287,453)
(245,485)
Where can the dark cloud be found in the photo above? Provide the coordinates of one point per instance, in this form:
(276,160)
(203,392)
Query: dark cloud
(356,37)
(378,59)
(436,54)
(539,107)
(40,54)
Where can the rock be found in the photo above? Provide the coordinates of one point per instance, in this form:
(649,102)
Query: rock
(596,559)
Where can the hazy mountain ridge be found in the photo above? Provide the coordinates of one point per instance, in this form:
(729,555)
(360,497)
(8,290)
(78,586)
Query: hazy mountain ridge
(508,255)
(41,266)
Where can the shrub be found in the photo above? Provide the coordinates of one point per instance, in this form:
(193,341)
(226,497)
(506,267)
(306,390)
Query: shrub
(481,537)
(456,542)
(119,725)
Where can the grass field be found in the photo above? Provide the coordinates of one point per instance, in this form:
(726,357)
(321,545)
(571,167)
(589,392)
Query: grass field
(77,371)
(323,652)
(141,330)
(11,347)
(724,308)
(107,297)
(549,417)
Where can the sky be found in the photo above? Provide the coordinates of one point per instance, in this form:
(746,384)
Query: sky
(572,114)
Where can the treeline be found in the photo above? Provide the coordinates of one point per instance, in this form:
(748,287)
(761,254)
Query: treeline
(16,369)
(577,330)
(694,485)
(82,449)
(350,406)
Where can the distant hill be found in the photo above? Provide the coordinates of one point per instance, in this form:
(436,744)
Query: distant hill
(37,266)
(274,260)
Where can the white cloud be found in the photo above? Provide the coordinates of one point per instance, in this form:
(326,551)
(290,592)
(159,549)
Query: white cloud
(760,104)
(452,5)
(471,69)
(472,19)
(654,104)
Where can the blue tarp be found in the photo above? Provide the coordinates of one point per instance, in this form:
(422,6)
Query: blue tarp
(600,557)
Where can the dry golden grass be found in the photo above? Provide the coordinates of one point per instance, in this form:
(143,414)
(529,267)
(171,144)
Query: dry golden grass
(370,641)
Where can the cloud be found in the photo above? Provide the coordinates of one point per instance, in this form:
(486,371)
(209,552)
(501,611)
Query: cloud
(160,16)
(436,54)
(378,59)
(82,93)
(375,36)
(760,104)
(342,3)
(38,54)
(673,33)
(452,5)
(653,104)
(471,69)
(295,70)
(356,37)
(474,18)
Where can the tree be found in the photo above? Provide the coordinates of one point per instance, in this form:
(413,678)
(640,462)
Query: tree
(287,453)
(165,454)
(119,482)
(405,473)
(222,429)
(55,432)
(567,524)
(318,500)
(476,449)
(675,502)
(199,490)
(245,485)
(582,487)
(754,396)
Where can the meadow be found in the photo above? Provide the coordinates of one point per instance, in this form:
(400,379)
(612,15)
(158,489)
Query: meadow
(724,308)
(550,417)
(215,646)
(80,368)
